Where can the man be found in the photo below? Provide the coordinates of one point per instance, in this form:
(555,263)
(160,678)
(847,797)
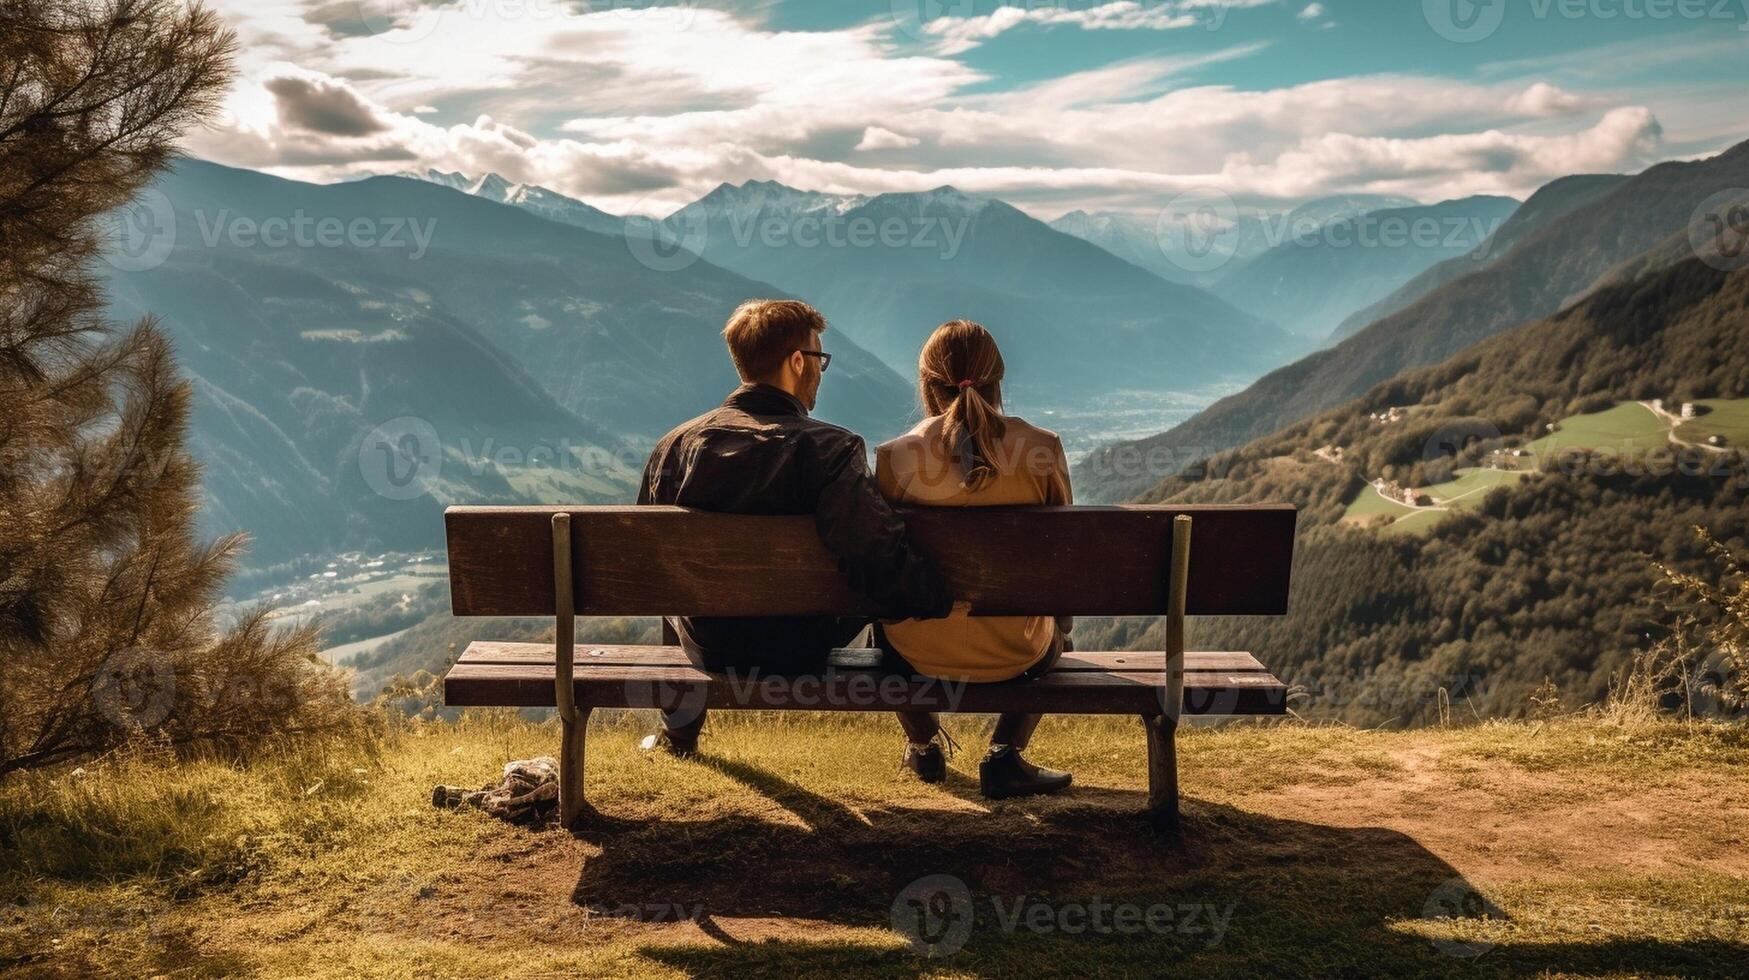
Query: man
(761,453)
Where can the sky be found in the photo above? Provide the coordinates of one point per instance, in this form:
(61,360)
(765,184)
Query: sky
(639,106)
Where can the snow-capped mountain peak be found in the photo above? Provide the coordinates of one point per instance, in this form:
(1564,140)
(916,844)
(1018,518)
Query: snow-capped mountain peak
(493,188)
(772,199)
(454,180)
(533,198)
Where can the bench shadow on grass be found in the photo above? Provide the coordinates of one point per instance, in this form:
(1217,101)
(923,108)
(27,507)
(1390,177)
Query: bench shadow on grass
(1243,894)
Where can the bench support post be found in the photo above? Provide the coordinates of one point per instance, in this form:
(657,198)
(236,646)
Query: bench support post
(1162,728)
(1162,773)
(572,721)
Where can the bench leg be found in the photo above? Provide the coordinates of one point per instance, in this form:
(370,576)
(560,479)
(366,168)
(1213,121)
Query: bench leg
(571,803)
(1162,772)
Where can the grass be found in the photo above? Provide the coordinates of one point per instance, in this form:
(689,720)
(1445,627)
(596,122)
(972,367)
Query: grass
(1577,846)
(1471,486)
(1416,522)
(1628,427)
(1370,503)
(1467,491)
(1728,418)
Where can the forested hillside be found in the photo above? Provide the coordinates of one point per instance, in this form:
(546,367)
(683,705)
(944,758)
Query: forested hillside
(1550,203)
(1548,578)
(1542,273)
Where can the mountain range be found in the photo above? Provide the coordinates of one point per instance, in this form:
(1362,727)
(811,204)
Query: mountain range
(549,204)
(1157,242)
(1075,321)
(954,255)
(1322,274)
(1548,204)
(1551,258)
(525,324)
(490,318)
(536,359)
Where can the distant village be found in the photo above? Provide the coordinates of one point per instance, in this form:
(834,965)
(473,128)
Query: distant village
(351,579)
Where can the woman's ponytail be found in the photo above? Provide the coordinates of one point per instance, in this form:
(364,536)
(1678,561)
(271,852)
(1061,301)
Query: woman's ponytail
(959,375)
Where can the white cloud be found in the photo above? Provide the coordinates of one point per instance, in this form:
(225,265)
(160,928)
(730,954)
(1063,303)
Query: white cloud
(634,114)
(878,138)
(1543,99)
(1312,12)
(958,34)
(1451,165)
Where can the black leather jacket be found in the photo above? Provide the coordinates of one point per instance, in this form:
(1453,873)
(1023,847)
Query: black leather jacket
(760,453)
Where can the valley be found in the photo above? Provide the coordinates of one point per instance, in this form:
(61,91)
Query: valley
(358,598)
(1480,434)
(529,350)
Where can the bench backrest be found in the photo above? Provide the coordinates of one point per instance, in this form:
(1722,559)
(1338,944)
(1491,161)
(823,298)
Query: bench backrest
(1066,561)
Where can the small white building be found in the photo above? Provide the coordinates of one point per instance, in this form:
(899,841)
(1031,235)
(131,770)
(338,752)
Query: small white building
(1688,410)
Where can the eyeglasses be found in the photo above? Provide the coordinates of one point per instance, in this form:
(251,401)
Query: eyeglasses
(825,358)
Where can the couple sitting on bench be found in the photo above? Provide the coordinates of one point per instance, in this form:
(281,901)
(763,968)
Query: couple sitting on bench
(761,453)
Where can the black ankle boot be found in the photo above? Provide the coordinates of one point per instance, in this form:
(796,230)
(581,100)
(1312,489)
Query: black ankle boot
(1004,774)
(929,762)
(680,747)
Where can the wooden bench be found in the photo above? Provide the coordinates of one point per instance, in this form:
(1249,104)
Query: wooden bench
(669,561)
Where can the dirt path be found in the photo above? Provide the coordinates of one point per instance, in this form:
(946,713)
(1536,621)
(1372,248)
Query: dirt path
(1508,821)
(1674,422)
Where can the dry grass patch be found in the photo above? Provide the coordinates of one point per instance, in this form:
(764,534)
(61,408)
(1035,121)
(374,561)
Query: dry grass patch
(1572,847)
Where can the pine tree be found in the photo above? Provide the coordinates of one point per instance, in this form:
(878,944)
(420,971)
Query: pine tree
(108,627)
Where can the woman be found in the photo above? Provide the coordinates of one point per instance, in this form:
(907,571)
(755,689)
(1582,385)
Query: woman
(966,453)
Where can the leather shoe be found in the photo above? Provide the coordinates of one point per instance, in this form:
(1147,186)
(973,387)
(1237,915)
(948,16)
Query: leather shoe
(1004,774)
(929,762)
(665,741)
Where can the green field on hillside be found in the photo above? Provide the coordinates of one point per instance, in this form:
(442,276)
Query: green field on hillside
(1471,486)
(1728,418)
(1369,503)
(1417,521)
(1628,427)
(1466,492)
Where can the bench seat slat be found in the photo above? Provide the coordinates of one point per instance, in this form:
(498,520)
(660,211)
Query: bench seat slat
(653,561)
(594,656)
(529,684)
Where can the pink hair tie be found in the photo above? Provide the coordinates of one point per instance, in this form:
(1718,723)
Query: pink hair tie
(968,383)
